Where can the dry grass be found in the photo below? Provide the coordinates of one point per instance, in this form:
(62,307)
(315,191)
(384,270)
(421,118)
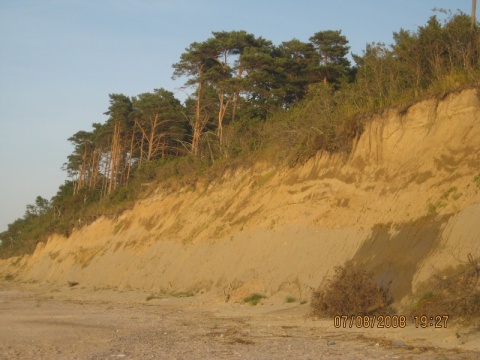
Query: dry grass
(351,291)
(454,291)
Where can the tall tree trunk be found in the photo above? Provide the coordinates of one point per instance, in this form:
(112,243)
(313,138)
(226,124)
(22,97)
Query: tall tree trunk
(115,159)
(236,94)
(474,10)
(141,153)
(223,106)
(325,75)
(234,105)
(130,159)
(106,173)
(81,176)
(95,165)
(196,126)
(151,138)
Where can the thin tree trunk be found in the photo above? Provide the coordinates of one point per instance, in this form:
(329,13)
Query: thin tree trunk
(81,176)
(115,154)
(474,10)
(196,125)
(234,105)
(223,106)
(236,95)
(141,153)
(96,156)
(325,76)
(130,160)
(106,173)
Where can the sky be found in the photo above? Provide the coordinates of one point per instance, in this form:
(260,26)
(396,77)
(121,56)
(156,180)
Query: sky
(60,59)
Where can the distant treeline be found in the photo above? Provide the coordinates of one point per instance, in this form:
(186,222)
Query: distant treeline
(247,96)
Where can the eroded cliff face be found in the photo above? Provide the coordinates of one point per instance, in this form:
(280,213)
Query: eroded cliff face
(404,204)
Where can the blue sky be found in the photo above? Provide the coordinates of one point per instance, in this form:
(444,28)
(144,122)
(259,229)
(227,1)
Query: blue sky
(60,59)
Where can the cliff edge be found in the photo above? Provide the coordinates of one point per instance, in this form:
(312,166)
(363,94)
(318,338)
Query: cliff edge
(404,203)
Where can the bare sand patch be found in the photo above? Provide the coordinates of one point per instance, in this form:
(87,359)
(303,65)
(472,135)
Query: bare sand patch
(41,322)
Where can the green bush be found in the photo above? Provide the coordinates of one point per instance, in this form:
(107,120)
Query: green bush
(476,180)
(254,299)
(290,299)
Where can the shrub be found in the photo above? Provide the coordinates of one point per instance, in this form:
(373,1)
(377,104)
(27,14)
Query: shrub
(351,291)
(476,180)
(453,291)
(254,299)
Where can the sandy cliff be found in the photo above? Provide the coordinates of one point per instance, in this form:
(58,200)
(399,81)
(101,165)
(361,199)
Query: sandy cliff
(404,203)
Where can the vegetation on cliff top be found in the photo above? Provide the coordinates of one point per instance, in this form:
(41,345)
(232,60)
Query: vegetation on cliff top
(250,98)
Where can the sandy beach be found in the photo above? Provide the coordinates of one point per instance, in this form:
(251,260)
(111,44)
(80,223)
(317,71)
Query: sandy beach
(44,322)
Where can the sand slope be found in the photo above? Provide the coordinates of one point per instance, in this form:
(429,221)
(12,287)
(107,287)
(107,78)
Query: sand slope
(404,203)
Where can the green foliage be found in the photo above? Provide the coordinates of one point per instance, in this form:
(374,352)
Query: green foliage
(431,209)
(476,180)
(120,196)
(160,125)
(331,49)
(447,193)
(41,207)
(254,299)
(148,171)
(164,294)
(449,196)
(290,299)
(324,121)
(244,137)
